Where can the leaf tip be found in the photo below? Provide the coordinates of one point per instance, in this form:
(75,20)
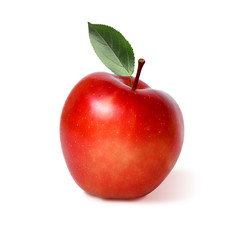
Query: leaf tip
(89,24)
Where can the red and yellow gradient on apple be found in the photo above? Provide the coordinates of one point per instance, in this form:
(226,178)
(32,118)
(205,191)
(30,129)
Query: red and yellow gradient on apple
(120,141)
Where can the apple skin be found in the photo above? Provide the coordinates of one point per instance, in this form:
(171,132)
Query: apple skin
(119,142)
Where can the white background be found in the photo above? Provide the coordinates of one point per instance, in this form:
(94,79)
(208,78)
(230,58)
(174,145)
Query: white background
(192,51)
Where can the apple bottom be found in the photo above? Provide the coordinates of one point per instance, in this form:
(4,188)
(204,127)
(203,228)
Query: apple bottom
(130,172)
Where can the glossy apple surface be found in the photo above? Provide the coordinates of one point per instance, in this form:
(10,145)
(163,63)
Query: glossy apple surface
(119,142)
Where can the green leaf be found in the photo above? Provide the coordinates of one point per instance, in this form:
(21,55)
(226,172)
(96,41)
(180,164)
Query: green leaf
(112,49)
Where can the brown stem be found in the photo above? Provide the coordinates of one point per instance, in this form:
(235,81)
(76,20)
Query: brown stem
(140,65)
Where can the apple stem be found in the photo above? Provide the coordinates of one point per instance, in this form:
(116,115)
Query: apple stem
(141,62)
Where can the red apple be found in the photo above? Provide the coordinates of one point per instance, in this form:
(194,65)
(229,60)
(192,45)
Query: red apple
(118,141)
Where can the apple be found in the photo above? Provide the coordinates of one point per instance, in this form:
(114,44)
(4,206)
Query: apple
(120,142)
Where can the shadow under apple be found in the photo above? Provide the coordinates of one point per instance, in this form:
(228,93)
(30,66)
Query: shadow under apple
(179,185)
